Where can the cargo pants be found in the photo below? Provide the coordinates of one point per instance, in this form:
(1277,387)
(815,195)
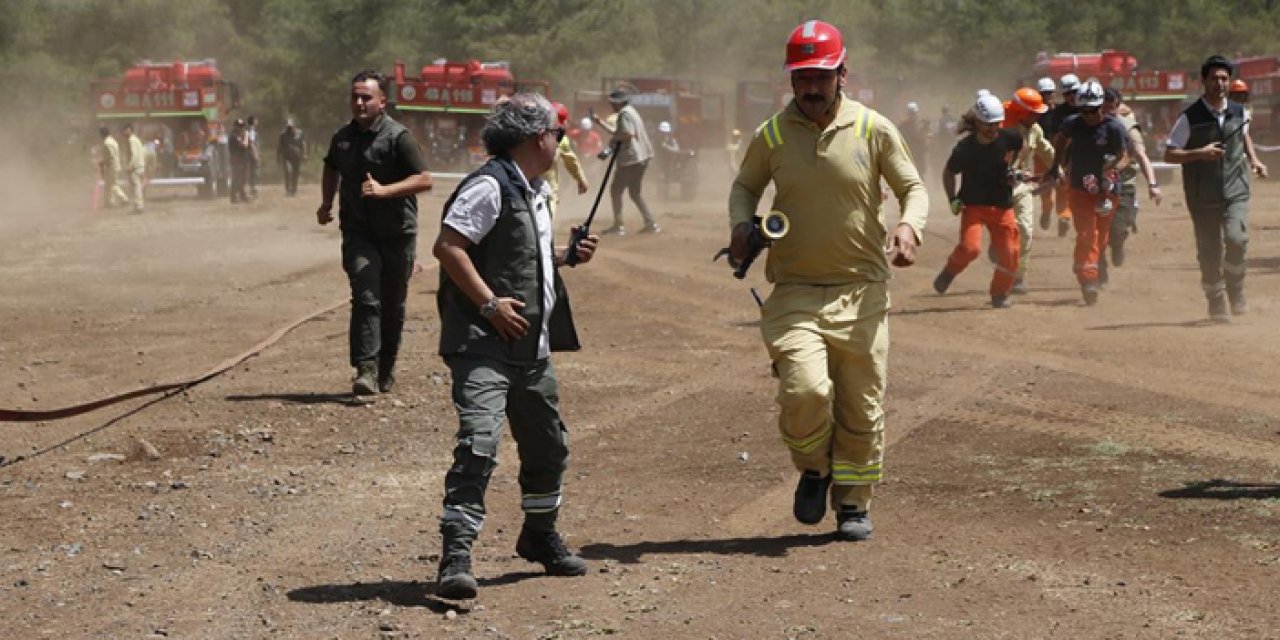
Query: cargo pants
(1092,234)
(830,345)
(1222,264)
(378,270)
(485,392)
(1004,241)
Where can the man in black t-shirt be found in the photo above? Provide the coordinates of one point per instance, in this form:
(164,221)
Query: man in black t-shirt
(982,159)
(1093,147)
(1052,123)
(375,168)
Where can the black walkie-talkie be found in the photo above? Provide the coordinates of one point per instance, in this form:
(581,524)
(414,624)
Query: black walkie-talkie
(571,254)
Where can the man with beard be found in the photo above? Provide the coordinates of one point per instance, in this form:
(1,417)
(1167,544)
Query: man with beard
(376,168)
(825,323)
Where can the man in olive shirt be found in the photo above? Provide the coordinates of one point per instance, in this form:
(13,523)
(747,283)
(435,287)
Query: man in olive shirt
(633,159)
(825,324)
(376,168)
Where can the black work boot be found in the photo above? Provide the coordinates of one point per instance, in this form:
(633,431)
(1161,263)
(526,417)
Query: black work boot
(366,381)
(852,524)
(386,375)
(548,549)
(1089,291)
(1239,306)
(455,581)
(943,281)
(1218,307)
(811,497)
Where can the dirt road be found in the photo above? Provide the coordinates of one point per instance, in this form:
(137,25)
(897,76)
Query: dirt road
(1053,470)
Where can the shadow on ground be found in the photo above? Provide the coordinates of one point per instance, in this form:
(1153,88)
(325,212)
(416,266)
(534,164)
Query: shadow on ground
(1185,324)
(1220,489)
(766,547)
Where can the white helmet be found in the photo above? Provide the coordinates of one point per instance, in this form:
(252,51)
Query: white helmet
(912,107)
(585,123)
(989,109)
(664,127)
(1089,94)
(1069,82)
(1045,85)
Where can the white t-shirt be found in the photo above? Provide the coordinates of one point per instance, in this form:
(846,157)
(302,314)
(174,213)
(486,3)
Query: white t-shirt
(1181,131)
(474,213)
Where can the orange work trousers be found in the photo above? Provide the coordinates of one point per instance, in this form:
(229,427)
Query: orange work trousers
(1003,226)
(1092,233)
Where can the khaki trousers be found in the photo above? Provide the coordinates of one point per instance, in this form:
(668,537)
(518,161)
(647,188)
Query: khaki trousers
(1024,212)
(830,345)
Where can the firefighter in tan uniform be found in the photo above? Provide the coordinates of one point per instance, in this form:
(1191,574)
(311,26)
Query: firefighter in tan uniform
(109,169)
(566,156)
(825,324)
(137,166)
(1022,113)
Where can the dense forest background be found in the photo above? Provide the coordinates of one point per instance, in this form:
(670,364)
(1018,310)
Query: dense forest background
(294,57)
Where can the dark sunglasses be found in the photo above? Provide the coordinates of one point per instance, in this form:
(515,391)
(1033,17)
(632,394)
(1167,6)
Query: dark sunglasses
(559,133)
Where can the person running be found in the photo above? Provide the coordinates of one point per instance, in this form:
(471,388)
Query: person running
(1022,114)
(1051,125)
(1092,147)
(1209,140)
(1125,221)
(983,160)
(826,322)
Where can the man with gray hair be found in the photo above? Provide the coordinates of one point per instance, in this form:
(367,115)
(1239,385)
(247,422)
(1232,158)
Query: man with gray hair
(503,310)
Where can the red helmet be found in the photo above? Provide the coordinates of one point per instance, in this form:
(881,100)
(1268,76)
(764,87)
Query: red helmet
(815,45)
(562,112)
(1239,86)
(1029,99)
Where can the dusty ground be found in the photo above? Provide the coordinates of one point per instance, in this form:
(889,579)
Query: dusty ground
(1054,470)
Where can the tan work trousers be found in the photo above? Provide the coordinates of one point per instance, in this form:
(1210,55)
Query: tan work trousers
(831,348)
(136,185)
(1024,212)
(111,191)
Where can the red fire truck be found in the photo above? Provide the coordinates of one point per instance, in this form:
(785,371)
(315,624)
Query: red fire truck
(182,108)
(1157,97)
(1263,76)
(445,107)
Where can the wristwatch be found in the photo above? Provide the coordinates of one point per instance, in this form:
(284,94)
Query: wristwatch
(489,308)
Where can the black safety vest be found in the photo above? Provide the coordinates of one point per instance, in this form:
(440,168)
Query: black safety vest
(1216,183)
(509,260)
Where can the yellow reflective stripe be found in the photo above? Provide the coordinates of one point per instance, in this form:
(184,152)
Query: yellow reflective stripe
(854,473)
(770,132)
(864,123)
(809,444)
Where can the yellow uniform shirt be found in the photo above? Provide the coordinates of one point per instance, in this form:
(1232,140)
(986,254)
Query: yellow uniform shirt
(137,157)
(828,185)
(564,153)
(1034,147)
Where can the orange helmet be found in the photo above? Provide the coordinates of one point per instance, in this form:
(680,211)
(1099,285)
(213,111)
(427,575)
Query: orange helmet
(1239,86)
(562,112)
(1030,100)
(815,45)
